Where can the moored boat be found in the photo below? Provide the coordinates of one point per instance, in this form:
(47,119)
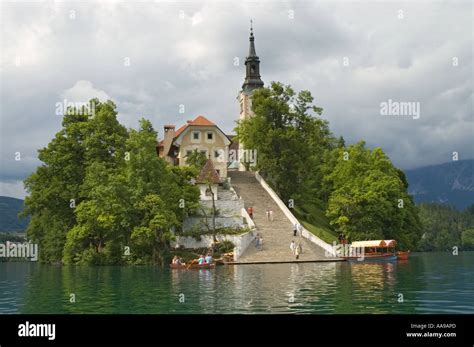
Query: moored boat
(372,250)
(403,255)
(374,257)
(193,266)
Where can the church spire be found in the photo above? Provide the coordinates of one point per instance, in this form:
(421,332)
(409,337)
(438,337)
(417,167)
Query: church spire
(252,52)
(252,66)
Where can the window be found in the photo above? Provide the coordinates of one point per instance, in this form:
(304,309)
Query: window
(217,154)
(195,135)
(210,136)
(204,152)
(188,152)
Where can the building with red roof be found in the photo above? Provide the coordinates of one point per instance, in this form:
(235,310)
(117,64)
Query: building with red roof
(198,134)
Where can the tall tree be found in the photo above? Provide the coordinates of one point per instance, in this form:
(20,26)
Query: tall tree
(55,187)
(289,137)
(100,186)
(369,198)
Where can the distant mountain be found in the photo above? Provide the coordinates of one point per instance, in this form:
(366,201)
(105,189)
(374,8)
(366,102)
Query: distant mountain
(9,221)
(449,183)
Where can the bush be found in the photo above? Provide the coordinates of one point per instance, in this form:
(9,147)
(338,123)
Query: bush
(224,247)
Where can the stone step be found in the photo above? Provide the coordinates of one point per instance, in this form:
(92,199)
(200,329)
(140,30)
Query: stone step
(277,234)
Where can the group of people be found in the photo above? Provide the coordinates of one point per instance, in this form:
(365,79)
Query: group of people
(269,213)
(201,260)
(178,261)
(296,248)
(205,259)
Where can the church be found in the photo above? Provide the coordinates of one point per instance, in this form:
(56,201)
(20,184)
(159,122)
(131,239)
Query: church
(204,135)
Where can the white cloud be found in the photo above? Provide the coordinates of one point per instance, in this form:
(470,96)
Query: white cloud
(82,92)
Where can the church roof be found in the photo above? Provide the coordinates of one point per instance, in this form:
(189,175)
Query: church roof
(208,173)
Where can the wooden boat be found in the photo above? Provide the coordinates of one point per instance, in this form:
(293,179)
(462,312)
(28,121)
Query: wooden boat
(193,266)
(373,257)
(403,255)
(373,250)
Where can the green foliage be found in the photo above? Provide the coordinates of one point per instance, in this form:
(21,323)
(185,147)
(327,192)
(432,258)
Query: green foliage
(223,247)
(197,232)
(369,198)
(196,159)
(444,227)
(102,188)
(314,220)
(467,238)
(289,138)
(303,161)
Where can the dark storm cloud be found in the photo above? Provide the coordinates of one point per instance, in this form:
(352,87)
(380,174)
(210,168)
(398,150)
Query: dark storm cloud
(184,53)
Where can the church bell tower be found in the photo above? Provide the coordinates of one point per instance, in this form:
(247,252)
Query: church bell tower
(252,78)
(252,81)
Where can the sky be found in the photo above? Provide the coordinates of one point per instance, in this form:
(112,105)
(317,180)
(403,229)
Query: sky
(152,57)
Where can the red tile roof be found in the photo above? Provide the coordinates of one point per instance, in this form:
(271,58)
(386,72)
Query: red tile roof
(199,120)
(180,130)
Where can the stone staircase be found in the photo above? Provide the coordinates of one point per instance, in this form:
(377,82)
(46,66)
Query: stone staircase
(277,234)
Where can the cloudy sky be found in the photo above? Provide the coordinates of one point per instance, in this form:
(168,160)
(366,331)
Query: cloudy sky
(152,57)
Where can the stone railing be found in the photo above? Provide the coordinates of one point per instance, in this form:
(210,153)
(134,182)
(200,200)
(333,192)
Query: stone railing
(305,233)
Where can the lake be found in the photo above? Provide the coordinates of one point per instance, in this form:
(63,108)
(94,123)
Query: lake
(426,283)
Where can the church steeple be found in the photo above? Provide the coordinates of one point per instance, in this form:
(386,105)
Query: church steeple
(252,67)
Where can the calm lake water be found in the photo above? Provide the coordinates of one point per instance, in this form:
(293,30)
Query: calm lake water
(429,283)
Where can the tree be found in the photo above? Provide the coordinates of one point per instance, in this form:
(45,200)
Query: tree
(369,198)
(196,159)
(468,238)
(445,227)
(150,239)
(288,137)
(54,188)
(102,189)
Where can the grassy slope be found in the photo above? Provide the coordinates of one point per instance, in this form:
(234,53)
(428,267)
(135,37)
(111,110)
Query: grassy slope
(313,218)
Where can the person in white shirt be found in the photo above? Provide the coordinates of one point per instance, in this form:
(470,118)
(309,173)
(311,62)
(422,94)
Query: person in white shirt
(292,247)
(298,250)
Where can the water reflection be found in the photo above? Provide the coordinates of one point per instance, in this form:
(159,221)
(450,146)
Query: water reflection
(434,283)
